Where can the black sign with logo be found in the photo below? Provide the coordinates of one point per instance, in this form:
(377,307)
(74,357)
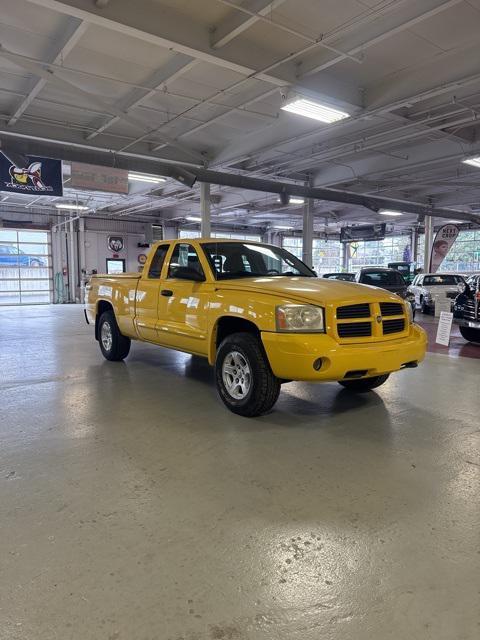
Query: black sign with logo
(363,232)
(115,243)
(39,176)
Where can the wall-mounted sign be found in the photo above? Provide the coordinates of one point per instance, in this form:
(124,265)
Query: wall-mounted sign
(363,232)
(90,176)
(115,243)
(41,176)
(442,244)
(142,258)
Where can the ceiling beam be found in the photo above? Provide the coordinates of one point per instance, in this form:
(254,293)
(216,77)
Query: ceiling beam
(172,30)
(169,72)
(72,34)
(380,30)
(240,20)
(52,77)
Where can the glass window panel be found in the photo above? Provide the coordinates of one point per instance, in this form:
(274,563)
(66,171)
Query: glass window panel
(35,272)
(9,285)
(33,236)
(7,235)
(31,248)
(35,297)
(9,298)
(9,272)
(35,285)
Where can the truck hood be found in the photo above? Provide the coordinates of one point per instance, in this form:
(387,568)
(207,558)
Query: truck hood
(313,290)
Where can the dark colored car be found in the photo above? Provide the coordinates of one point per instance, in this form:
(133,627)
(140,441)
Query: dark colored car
(385,278)
(407,270)
(348,277)
(11,256)
(466,309)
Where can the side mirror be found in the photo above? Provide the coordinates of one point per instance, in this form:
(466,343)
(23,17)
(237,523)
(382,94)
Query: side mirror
(187,273)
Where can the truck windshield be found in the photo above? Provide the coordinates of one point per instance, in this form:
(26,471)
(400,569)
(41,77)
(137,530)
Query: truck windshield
(245,260)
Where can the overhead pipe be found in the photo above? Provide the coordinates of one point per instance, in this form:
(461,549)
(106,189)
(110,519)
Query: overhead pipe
(374,203)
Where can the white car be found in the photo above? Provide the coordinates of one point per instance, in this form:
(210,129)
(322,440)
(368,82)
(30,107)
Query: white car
(427,287)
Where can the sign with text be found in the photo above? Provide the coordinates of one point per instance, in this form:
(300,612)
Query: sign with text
(38,176)
(442,244)
(90,176)
(444,328)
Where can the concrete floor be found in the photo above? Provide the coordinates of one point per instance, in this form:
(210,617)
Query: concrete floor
(135,507)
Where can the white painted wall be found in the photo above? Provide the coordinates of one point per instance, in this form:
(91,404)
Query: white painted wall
(97,251)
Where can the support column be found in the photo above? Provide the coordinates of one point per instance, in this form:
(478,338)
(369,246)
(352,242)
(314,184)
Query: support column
(307,248)
(72,271)
(428,243)
(345,251)
(205,224)
(414,244)
(81,258)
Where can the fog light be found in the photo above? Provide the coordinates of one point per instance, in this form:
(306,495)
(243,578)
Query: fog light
(317,365)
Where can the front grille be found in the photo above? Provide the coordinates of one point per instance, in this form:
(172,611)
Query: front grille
(353,311)
(393,326)
(469,310)
(355,330)
(391,309)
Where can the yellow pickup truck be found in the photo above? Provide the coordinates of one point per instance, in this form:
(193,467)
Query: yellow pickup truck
(259,315)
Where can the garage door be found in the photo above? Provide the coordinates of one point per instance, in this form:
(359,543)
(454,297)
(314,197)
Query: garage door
(25,267)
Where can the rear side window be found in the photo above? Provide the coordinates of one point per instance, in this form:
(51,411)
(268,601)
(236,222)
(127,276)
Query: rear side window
(184,255)
(157,261)
(382,278)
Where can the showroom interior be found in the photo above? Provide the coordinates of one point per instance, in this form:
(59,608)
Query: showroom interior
(134,503)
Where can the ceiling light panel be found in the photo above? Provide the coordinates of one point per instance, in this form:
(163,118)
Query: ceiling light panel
(315,110)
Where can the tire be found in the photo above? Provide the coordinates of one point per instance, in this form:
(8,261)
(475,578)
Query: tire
(113,345)
(469,334)
(364,384)
(243,353)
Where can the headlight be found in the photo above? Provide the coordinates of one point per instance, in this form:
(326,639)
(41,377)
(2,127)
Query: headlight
(300,317)
(409,312)
(410,296)
(461,286)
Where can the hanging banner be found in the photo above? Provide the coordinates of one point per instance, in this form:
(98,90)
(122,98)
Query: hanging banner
(442,244)
(90,176)
(41,176)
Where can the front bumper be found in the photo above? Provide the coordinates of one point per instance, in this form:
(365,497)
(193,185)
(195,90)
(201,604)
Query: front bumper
(291,356)
(471,324)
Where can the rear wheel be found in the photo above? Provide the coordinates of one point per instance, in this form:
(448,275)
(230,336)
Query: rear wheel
(364,384)
(243,376)
(113,345)
(471,335)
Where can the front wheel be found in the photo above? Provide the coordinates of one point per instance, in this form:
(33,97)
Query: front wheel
(469,334)
(243,376)
(113,345)
(364,384)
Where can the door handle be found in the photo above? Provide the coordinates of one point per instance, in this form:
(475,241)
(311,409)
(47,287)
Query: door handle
(166,292)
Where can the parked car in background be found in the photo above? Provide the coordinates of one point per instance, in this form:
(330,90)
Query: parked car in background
(466,309)
(385,278)
(428,286)
(12,256)
(348,277)
(406,269)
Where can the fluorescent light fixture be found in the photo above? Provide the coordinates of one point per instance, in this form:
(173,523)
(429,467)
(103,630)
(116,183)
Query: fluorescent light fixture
(315,110)
(144,177)
(72,207)
(294,200)
(474,162)
(193,218)
(281,226)
(387,212)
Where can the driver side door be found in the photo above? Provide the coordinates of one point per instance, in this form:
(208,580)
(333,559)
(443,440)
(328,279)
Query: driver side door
(183,304)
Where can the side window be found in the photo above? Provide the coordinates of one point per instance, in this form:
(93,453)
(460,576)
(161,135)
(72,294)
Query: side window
(184,255)
(157,261)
